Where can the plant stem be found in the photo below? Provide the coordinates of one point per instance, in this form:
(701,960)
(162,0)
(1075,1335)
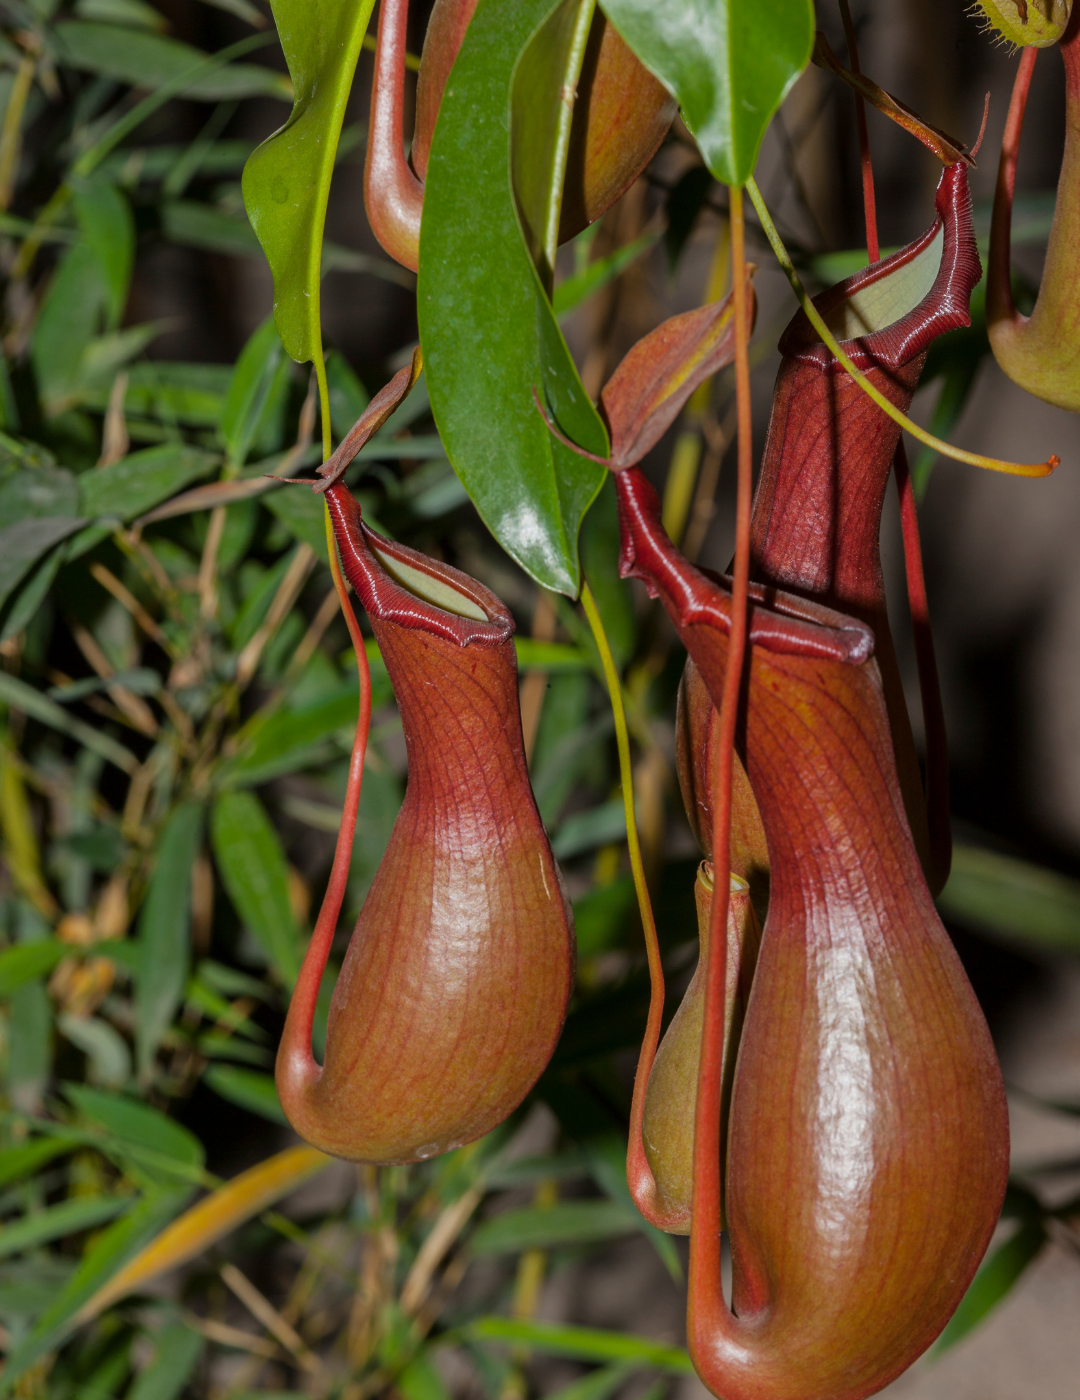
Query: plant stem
(873,248)
(648,923)
(946,449)
(705,1284)
(937,753)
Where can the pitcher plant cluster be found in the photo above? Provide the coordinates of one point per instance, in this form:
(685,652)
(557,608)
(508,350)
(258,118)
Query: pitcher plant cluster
(827,1091)
(826,1096)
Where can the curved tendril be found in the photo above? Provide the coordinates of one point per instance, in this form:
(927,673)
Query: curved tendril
(937,753)
(945,449)
(999,297)
(637,1166)
(306,991)
(706,1294)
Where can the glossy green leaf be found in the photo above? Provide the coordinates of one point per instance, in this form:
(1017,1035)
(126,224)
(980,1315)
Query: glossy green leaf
(287,180)
(104,1258)
(1018,902)
(552,1227)
(106,222)
(31,702)
(165,931)
(177,1350)
(67,1218)
(540,120)
(134,1122)
(730,63)
(581,1343)
(246,1088)
(152,61)
(252,863)
(994,1281)
(487,328)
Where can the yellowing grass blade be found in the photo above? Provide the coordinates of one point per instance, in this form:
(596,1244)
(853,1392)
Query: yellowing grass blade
(214,1217)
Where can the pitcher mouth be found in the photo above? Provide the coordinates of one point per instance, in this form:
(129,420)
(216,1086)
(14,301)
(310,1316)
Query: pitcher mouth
(889,312)
(401,585)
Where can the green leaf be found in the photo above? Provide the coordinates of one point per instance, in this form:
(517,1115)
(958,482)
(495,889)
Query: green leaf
(487,328)
(67,1218)
(252,864)
(134,1122)
(993,1282)
(173,391)
(75,302)
(607,1160)
(348,397)
(24,1160)
(288,739)
(106,1050)
(730,63)
(420,1380)
(584,831)
(579,287)
(165,931)
(106,222)
(106,1255)
(303,515)
(197,225)
(287,180)
(38,491)
(176,1354)
(581,1343)
(22,545)
(600,544)
(138,482)
(602,916)
(1012,899)
(597,1385)
(554,657)
(250,391)
(23,963)
(552,1227)
(248,1089)
(31,702)
(151,61)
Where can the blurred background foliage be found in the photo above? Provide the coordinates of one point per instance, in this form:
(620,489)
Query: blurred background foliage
(177,704)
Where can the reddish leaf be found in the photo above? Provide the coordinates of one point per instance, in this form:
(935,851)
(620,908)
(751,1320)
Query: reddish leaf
(646,393)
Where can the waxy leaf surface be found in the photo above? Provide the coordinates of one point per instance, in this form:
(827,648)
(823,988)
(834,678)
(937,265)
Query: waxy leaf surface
(486,325)
(729,62)
(287,180)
